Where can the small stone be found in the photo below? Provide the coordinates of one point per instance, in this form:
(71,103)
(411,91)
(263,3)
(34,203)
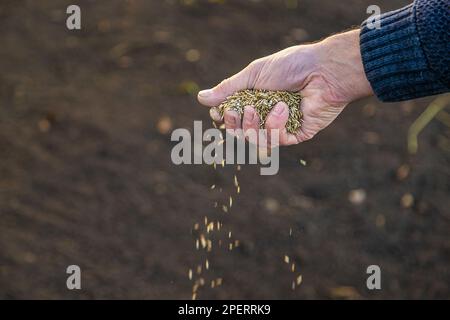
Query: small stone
(407,200)
(357,196)
(164,125)
(380,221)
(403,172)
(193,55)
(271,205)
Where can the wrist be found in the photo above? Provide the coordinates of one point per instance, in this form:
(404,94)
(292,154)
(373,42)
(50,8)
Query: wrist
(341,58)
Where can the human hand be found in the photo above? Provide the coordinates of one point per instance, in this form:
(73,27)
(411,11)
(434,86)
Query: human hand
(329,74)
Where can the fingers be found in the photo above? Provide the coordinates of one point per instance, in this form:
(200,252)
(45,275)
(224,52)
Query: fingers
(215,114)
(276,120)
(278,116)
(215,96)
(232,121)
(250,120)
(250,124)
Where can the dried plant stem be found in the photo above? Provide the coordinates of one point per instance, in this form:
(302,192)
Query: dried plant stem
(421,122)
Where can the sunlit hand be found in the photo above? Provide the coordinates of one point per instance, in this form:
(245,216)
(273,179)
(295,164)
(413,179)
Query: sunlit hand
(329,75)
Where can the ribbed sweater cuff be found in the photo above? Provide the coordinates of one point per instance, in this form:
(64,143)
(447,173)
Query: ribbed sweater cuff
(393,59)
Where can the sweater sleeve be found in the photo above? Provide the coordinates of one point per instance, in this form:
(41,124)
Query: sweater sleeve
(407,57)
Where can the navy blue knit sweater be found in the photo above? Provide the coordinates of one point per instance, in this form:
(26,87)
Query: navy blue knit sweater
(409,55)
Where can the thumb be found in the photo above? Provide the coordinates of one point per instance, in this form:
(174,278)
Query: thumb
(215,96)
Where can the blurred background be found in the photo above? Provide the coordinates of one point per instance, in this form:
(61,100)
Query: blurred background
(86,176)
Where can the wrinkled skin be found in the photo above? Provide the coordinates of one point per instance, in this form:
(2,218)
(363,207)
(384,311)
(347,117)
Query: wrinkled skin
(329,75)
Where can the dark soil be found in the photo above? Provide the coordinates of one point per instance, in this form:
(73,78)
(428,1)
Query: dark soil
(86,176)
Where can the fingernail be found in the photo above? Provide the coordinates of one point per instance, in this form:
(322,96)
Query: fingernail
(249,113)
(231,119)
(214,114)
(278,110)
(205,93)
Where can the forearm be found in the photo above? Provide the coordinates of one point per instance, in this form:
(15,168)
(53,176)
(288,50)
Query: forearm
(408,56)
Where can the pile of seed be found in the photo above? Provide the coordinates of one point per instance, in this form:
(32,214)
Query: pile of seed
(263,101)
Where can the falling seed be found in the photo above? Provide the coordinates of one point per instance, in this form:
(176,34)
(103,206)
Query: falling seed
(196,226)
(293,267)
(213,283)
(293,285)
(201,281)
(190,274)
(206,220)
(199,269)
(286,259)
(203,241)
(236,183)
(197,244)
(219,281)
(213,186)
(290,232)
(218,226)
(207,264)
(225,208)
(238,189)
(215,204)
(236,243)
(299,280)
(229,234)
(209,246)
(302,162)
(239,167)
(231,201)
(230,246)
